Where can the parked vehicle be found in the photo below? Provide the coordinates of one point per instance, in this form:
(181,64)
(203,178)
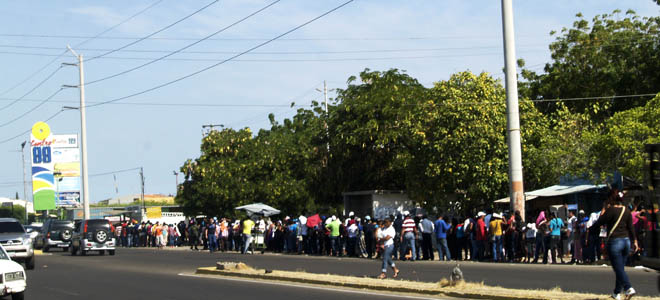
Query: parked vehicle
(12,277)
(93,235)
(16,242)
(56,234)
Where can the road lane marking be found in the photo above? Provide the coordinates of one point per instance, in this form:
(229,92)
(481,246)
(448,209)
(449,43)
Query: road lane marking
(305,286)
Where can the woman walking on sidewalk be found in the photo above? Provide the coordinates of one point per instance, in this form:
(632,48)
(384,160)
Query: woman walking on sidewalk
(386,237)
(620,232)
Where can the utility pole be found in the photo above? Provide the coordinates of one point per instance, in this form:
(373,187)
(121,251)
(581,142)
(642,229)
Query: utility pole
(325,102)
(325,95)
(83,134)
(25,196)
(516,190)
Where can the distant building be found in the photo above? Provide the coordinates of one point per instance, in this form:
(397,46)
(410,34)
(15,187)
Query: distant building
(130,199)
(9,202)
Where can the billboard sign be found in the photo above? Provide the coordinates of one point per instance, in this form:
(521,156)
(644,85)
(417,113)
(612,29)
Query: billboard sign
(43,181)
(66,159)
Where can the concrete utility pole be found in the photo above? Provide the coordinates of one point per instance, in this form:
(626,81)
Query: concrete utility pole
(83,135)
(516,190)
(325,95)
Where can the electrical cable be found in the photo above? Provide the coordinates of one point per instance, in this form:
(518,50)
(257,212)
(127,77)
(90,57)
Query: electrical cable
(156,32)
(186,47)
(32,90)
(11,183)
(261,52)
(224,61)
(32,109)
(29,130)
(87,39)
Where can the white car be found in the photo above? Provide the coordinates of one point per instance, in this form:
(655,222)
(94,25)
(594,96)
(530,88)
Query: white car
(12,277)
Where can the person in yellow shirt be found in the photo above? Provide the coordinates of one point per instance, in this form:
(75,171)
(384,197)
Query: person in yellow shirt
(247,234)
(495,227)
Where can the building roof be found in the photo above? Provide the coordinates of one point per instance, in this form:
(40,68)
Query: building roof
(556,190)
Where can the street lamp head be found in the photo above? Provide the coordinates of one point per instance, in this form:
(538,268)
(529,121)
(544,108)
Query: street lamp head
(69,107)
(23,144)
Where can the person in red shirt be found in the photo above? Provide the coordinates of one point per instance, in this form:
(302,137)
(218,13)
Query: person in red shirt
(481,237)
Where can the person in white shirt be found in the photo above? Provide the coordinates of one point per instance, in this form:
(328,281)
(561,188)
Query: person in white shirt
(530,241)
(386,236)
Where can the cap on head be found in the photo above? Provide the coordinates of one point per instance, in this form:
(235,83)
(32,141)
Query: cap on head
(367,217)
(406,213)
(350,214)
(334,217)
(480,214)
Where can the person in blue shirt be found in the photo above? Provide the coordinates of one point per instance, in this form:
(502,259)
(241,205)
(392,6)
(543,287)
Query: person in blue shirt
(555,237)
(441,228)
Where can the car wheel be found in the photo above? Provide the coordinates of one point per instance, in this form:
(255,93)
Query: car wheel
(101,252)
(45,249)
(65,249)
(111,252)
(73,251)
(29,263)
(18,296)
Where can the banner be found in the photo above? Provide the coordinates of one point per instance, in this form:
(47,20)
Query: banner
(43,181)
(66,159)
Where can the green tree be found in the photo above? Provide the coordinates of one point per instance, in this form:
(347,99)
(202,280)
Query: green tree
(620,146)
(461,150)
(614,54)
(369,131)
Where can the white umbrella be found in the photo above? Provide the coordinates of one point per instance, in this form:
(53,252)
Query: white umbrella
(259,209)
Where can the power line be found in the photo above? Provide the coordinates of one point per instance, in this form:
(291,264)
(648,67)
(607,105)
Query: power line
(31,110)
(29,130)
(186,47)
(156,32)
(258,39)
(12,183)
(224,61)
(32,90)
(87,39)
(256,52)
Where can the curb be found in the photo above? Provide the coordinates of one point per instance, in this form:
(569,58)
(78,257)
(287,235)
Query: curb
(401,289)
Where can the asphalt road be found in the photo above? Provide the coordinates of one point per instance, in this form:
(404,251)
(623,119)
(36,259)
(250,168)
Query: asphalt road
(156,274)
(162,275)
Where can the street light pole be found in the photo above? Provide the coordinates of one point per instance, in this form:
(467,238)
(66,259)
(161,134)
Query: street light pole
(25,196)
(83,135)
(516,190)
(176,174)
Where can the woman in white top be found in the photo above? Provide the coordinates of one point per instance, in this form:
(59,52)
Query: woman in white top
(386,237)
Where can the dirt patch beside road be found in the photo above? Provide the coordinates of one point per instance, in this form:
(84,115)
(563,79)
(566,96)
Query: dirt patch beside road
(442,288)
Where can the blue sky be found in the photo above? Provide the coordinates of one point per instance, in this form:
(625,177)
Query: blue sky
(432,39)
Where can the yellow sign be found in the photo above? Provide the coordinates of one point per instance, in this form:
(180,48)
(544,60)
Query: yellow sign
(154,212)
(40,130)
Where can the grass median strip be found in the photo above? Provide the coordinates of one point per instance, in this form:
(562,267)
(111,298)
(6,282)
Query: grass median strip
(442,288)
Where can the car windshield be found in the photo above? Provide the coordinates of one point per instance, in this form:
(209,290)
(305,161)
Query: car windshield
(98,223)
(11,227)
(3,254)
(62,225)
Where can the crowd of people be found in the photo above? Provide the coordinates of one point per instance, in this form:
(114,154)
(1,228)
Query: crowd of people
(488,236)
